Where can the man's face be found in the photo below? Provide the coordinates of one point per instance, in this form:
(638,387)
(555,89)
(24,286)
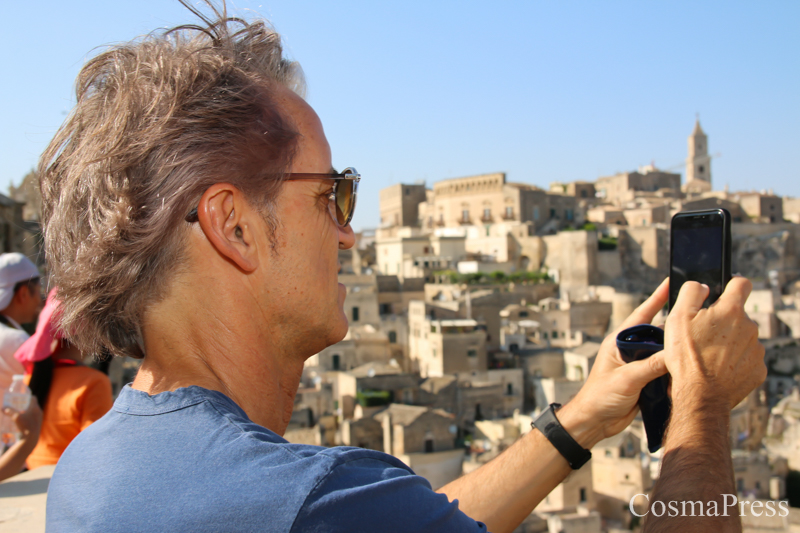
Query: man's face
(32,301)
(303,269)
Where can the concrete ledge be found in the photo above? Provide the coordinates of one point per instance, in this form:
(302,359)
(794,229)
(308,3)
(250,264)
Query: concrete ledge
(23,499)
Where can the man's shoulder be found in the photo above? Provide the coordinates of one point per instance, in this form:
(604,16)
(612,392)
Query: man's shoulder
(234,470)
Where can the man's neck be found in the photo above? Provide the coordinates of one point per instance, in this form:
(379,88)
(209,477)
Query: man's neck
(213,346)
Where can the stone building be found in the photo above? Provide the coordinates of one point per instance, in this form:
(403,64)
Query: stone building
(571,257)
(578,362)
(579,189)
(467,397)
(760,207)
(439,345)
(606,214)
(575,493)
(410,254)
(488,199)
(555,322)
(623,187)
(618,474)
(424,439)
(648,213)
(399,204)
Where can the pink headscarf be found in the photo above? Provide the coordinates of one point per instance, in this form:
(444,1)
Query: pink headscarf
(39,346)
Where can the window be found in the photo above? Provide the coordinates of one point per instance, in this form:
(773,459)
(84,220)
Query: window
(355,314)
(535,213)
(472,353)
(433,328)
(509,389)
(487,231)
(408,192)
(487,214)
(583,495)
(392,337)
(433,352)
(386,309)
(544,335)
(336,361)
(509,212)
(523,314)
(740,485)
(555,334)
(569,214)
(465,215)
(552,213)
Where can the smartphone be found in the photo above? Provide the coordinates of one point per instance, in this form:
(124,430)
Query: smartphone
(700,250)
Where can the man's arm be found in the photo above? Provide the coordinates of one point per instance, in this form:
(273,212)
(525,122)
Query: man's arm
(505,491)
(715,360)
(29,424)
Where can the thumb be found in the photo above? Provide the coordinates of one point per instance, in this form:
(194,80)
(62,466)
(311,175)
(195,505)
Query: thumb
(639,373)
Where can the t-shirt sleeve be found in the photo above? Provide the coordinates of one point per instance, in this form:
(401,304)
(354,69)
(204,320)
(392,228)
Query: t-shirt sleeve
(367,494)
(97,400)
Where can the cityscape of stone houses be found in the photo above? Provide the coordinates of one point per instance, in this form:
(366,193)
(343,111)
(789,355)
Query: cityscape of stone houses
(479,301)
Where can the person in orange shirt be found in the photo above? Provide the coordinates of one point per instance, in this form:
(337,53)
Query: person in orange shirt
(72,395)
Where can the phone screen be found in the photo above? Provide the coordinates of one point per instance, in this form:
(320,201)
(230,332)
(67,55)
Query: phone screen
(697,254)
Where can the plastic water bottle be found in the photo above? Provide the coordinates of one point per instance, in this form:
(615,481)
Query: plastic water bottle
(18,397)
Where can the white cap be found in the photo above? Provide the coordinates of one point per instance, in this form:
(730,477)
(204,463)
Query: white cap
(14,268)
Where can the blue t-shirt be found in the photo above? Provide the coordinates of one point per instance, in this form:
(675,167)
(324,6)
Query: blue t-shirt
(191,460)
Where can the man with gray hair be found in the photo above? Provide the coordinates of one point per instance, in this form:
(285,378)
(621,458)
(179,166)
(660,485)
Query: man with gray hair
(193,219)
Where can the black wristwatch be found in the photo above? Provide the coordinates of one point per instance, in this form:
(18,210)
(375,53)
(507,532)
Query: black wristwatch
(575,454)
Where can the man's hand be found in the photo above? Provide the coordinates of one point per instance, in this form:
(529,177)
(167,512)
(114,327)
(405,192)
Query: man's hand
(713,355)
(715,360)
(607,403)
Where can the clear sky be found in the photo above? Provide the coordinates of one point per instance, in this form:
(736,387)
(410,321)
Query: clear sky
(427,90)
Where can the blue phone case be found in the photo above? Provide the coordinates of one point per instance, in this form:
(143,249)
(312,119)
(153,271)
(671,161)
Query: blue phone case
(635,344)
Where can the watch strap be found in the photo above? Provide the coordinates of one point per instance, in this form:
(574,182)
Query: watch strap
(575,454)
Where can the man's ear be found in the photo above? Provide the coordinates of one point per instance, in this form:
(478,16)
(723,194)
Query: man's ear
(228,222)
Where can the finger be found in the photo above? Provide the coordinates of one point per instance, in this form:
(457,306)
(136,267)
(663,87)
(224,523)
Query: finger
(645,313)
(737,291)
(640,373)
(690,298)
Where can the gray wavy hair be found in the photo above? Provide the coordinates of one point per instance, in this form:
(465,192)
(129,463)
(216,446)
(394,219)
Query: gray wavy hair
(158,120)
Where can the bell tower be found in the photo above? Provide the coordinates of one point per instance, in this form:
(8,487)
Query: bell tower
(698,164)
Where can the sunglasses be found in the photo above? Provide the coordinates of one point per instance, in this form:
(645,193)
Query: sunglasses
(342,200)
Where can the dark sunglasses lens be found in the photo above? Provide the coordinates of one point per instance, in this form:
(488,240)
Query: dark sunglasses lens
(344,201)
